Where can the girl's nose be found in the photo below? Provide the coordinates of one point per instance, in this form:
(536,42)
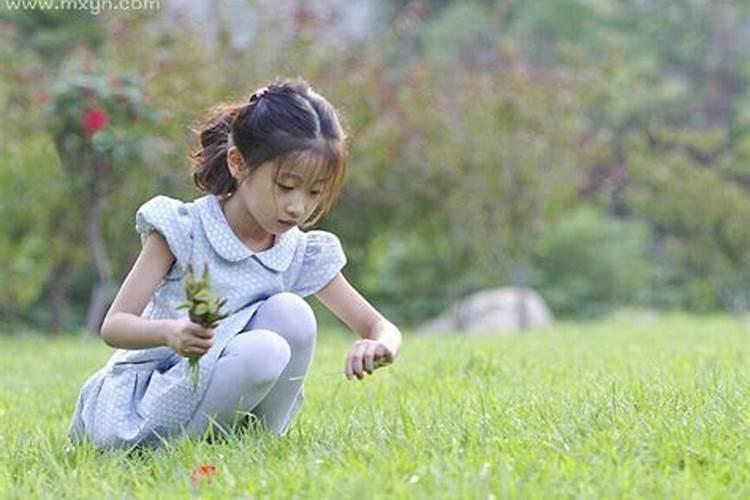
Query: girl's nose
(295,209)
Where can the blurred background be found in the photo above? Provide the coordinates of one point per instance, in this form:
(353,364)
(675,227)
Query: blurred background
(596,151)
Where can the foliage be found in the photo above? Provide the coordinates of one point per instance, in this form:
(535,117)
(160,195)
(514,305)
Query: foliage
(93,120)
(400,266)
(674,83)
(30,181)
(53,33)
(590,263)
(475,128)
(462,30)
(98,124)
(704,214)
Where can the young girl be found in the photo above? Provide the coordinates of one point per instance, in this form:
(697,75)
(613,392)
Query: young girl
(269,167)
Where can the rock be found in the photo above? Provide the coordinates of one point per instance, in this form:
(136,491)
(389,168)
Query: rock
(495,311)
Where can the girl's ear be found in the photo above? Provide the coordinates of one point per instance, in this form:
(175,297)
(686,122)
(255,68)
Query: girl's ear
(235,163)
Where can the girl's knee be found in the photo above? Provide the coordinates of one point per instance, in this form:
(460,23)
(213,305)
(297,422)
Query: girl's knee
(299,324)
(264,354)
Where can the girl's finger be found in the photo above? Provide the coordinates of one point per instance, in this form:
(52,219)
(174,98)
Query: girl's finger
(369,358)
(388,355)
(204,334)
(382,357)
(201,343)
(380,351)
(349,368)
(359,352)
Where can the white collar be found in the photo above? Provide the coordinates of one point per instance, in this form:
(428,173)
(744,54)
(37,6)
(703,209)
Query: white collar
(230,247)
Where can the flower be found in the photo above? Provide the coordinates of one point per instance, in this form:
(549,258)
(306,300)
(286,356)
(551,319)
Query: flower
(202,472)
(94,119)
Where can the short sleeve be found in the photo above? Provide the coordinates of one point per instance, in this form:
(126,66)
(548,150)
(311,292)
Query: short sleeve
(323,260)
(170,218)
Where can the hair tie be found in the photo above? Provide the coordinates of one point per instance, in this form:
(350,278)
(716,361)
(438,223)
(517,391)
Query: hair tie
(258,94)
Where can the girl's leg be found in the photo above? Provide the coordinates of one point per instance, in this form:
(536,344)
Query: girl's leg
(245,372)
(292,318)
(254,370)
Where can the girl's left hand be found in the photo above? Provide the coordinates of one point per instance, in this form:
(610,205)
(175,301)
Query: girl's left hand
(367,355)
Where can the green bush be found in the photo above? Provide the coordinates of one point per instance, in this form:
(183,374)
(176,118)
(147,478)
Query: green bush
(412,277)
(684,279)
(591,262)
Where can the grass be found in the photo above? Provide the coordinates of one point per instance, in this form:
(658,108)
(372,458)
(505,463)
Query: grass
(634,406)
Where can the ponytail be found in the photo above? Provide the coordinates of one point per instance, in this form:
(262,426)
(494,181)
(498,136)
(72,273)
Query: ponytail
(209,159)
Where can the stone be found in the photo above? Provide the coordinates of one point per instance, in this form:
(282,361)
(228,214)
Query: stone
(494,311)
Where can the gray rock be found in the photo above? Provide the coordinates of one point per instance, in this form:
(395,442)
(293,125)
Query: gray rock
(496,311)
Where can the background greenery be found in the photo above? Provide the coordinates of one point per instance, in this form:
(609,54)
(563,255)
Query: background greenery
(597,150)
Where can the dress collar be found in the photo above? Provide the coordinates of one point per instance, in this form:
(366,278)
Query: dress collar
(230,247)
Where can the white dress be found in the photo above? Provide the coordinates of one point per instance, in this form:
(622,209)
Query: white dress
(145,396)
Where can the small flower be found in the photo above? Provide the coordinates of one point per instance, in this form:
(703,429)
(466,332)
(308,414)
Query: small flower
(201,472)
(94,119)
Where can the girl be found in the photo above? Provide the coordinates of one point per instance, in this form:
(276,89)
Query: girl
(269,167)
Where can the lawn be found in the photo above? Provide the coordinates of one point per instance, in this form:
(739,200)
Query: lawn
(634,406)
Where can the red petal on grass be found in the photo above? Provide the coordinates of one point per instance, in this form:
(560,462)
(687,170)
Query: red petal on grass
(202,472)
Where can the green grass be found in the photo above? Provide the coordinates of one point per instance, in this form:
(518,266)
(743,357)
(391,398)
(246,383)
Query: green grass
(628,407)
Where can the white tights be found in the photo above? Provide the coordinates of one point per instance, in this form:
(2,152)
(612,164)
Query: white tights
(261,369)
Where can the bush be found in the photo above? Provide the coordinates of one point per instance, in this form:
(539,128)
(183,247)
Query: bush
(412,277)
(592,262)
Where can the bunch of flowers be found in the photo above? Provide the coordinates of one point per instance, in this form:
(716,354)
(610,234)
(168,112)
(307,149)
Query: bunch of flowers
(202,310)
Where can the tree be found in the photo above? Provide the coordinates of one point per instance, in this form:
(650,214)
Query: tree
(93,120)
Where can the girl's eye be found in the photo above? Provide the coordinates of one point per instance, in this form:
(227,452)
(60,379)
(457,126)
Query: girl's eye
(285,188)
(315,193)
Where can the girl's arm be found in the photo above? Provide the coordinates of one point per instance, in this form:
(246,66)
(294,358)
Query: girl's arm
(381,338)
(124,328)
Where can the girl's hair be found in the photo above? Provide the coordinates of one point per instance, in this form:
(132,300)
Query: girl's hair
(287,123)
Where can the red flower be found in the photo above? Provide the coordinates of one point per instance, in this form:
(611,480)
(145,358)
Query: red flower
(201,472)
(94,119)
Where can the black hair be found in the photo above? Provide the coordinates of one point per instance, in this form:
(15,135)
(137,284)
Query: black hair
(286,123)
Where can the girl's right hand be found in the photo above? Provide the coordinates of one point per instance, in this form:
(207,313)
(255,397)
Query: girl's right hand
(189,339)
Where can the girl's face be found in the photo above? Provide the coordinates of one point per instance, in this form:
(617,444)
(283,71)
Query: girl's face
(279,202)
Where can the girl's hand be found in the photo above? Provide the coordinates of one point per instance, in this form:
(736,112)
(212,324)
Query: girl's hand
(188,338)
(367,355)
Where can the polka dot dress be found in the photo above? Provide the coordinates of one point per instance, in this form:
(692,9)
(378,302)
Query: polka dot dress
(145,396)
